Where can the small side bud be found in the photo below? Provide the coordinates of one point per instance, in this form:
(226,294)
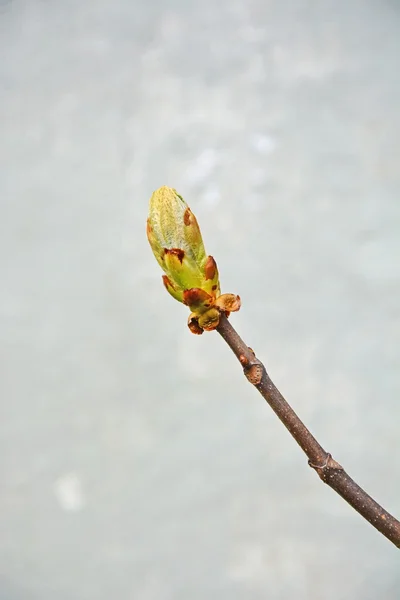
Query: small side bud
(210,319)
(228,302)
(193,325)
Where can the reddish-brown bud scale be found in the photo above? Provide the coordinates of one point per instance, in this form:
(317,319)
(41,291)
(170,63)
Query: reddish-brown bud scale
(180,254)
(210,268)
(167,282)
(194,326)
(196,297)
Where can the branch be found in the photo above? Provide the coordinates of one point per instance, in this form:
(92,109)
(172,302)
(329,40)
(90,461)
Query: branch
(191,277)
(330,471)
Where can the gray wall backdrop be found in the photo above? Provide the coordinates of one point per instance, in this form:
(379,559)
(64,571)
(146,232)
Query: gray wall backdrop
(136,462)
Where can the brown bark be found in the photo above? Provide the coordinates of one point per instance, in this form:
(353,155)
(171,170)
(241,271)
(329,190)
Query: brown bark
(330,471)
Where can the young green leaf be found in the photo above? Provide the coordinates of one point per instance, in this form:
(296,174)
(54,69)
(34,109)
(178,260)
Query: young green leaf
(190,276)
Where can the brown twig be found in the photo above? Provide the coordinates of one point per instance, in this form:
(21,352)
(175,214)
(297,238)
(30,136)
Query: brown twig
(330,471)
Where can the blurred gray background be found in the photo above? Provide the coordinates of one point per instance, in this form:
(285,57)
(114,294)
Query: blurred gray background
(136,462)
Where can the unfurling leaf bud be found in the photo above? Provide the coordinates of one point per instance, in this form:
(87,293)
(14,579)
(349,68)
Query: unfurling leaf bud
(191,276)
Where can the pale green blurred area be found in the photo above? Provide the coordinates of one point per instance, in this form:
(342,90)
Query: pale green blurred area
(136,462)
